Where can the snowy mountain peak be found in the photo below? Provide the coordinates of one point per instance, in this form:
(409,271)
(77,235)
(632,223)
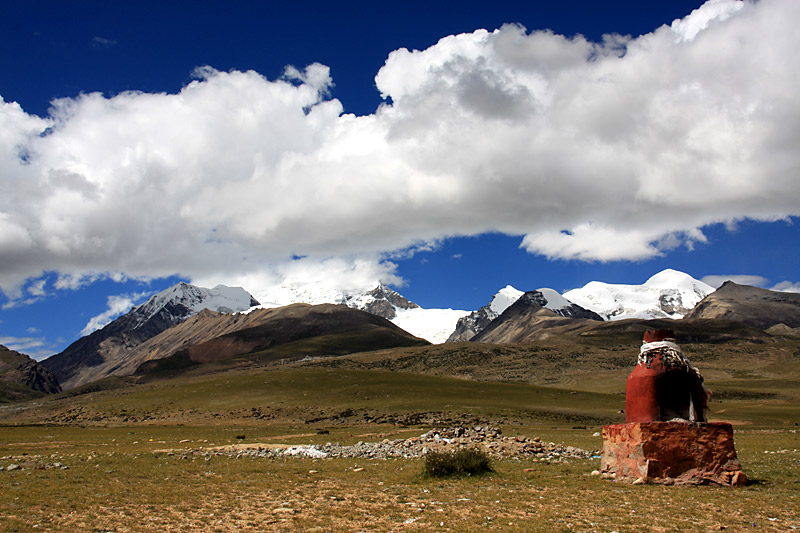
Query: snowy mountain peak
(668,294)
(554,300)
(381,301)
(473,323)
(503,299)
(187,300)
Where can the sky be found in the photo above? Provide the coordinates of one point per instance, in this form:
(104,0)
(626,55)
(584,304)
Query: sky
(445,151)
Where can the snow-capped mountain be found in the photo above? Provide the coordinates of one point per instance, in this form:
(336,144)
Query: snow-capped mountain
(552,300)
(184,300)
(81,360)
(668,294)
(532,312)
(477,321)
(433,325)
(473,323)
(381,301)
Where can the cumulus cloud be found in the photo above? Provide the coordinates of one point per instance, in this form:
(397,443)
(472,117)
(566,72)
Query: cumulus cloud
(318,280)
(594,151)
(117,305)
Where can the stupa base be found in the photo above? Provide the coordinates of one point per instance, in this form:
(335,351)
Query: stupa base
(671,453)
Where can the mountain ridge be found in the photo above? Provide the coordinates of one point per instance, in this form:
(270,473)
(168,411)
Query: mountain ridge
(21,377)
(161,311)
(743,303)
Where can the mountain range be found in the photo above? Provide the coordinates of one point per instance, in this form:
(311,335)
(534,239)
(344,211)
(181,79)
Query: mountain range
(187,325)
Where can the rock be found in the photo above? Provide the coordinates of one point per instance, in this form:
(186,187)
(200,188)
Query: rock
(13,467)
(739,479)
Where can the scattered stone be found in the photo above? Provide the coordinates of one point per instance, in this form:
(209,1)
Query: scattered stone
(488,439)
(739,479)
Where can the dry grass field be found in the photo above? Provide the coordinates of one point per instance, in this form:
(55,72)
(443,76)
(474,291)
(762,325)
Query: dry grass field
(115,480)
(131,455)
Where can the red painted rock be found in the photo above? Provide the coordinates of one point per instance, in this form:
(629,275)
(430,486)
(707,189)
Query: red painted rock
(672,452)
(664,385)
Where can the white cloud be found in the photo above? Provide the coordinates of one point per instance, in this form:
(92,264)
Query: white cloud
(35,347)
(102,41)
(37,287)
(716,280)
(117,305)
(318,280)
(595,151)
(787,286)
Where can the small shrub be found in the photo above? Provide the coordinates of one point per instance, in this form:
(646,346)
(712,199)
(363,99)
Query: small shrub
(461,463)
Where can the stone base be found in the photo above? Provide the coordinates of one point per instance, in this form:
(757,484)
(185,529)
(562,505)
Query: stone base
(671,452)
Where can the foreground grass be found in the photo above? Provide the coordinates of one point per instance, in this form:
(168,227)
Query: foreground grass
(117,481)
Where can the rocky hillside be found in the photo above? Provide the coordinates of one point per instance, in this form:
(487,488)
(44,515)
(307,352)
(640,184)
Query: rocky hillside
(750,305)
(21,377)
(89,357)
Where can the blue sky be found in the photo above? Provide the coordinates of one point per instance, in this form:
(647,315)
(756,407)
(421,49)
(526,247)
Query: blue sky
(515,156)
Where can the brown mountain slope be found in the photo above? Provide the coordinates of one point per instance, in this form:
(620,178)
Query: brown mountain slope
(311,330)
(750,305)
(212,336)
(21,377)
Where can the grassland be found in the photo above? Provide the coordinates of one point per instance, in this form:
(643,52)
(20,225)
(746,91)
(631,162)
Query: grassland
(111,436)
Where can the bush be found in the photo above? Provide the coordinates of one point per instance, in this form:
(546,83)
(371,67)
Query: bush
(461,463)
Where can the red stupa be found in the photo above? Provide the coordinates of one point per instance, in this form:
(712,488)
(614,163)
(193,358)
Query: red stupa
(667,438)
